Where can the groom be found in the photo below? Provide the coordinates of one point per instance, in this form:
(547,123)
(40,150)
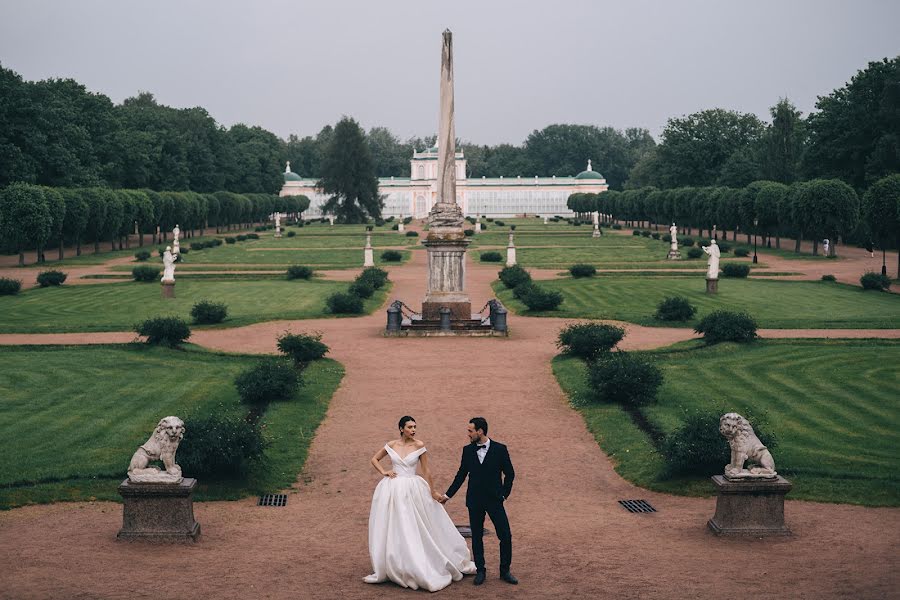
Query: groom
(484,460)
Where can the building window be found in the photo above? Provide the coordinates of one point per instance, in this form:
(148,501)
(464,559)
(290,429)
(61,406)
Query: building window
(421,172)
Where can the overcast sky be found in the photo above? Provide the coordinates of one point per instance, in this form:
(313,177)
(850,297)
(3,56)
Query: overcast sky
(293,67)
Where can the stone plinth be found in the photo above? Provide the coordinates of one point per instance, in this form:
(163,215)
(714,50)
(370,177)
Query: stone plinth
(712,286)
(368,258)
(596,233)
(674,255)
(752,507)
(459,311)
(168,289)
(158,512)
(446,251)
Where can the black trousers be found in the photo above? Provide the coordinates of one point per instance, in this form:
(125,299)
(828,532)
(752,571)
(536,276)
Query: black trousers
(501,524)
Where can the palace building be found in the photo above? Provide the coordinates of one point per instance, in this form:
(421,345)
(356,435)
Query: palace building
(489,196)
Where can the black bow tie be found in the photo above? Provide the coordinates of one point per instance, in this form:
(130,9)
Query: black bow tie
(480,447)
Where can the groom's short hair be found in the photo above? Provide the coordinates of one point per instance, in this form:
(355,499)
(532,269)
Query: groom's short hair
(479,423)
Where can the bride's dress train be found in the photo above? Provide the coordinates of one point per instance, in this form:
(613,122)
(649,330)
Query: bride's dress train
(412,540)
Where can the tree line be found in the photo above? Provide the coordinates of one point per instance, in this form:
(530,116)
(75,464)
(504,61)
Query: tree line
(37,217)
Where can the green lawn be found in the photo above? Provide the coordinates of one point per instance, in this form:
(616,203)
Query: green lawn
(774,304)
(834,406)
(118,306)
(72,417)
(268,252)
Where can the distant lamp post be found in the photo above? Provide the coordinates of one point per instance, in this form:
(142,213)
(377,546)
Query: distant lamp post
(883,262)
(755,224)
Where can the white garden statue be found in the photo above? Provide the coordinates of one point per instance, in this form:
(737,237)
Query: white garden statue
(162,445)
(176,240)
(673,233)
(713,251)
(168,266)
(745,446)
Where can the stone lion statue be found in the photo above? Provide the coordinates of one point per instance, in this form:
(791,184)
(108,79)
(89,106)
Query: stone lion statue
(162,445)
(745,446)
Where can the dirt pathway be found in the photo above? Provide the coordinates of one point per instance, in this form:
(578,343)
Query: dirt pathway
(571,538)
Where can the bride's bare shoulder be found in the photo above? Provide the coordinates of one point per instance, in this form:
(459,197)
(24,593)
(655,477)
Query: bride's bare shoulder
(419,444)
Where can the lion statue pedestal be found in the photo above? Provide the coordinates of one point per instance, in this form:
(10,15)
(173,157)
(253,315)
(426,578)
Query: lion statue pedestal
(750,501)
(158,505)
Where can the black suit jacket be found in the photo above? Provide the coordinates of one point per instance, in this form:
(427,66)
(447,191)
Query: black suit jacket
(489,482)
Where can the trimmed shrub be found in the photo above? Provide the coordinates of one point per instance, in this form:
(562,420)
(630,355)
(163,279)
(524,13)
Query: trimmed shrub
(241,237)
(48,278)
(412,234)
(377,277)
(395,227)
(291,233)
(197,246)
(206,312)
(499,223)
(695,253)
(9,286)
(697,447)
(182,251)
(686,241)
(164,331)
(145,273)
(589,340)
(727,326)
(141,255)
(362,288)
(252,236)
(724,247)
(489,219)
(215,242)
(829,277)
(675,308)
(514,276)
(299,272)
(379,222)
(576,223)
(512,227)
(468,232)
(582,270)
(230,240)
(391,256)
(220,445)
(407,220)
(538,298)
(741,252)
(491,256)
(655,235)
(635,232)
(735,270)
(625,378)
(667,237)
(270,379)
(484,226)
(302,348)
(616,226)
(344,303)
(645,233)
(875,281)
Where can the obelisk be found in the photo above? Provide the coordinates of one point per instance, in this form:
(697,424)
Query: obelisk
(446,243)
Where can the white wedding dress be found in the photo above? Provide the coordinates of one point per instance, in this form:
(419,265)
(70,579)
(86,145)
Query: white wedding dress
(412,540)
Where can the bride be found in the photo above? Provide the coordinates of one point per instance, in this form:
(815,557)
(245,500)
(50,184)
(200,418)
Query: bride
(412,540)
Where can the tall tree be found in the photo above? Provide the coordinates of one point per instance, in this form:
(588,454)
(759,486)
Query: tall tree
(24,218)
(882,212)
(783,143)
(348,176)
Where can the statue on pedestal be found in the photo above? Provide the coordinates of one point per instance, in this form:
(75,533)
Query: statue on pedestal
(162,446)
(745,446)
(713,264)
(176,240)
(168,266)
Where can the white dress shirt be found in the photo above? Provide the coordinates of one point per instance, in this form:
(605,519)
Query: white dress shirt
(482,452)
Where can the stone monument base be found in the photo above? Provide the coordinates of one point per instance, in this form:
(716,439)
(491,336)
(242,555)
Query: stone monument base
(168,289)
(712,286)
(751,507)
(596,233)
(459,311)
(158,512)
(674,255)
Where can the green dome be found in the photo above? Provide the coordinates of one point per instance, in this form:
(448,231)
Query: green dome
(589,173)
(292,177)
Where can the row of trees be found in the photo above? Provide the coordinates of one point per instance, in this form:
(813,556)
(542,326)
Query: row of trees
(34,217)
(816,209)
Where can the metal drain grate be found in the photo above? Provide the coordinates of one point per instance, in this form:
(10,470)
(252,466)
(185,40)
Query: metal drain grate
(637,506)
(273,500)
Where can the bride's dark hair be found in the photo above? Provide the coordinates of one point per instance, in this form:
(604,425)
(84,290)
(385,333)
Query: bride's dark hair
(404,421)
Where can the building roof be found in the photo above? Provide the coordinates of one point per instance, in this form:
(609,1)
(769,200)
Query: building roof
(589,173)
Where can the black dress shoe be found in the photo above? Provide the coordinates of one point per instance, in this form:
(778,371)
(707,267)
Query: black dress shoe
(508,578)
(479,577)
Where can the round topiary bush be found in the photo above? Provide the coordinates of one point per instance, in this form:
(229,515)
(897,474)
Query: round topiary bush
(582,270)
(164,331)
(727,326)
(145,273)
(616,226)
(197,246)
(344,303)
(697,447)
(302,348)
(695,253)
(220,445)
(252,236)
(645,233)
(362,288)
(625,378)
(141,255)
(724,247)
(537,298)
(741,252)
(499,223)
(655,235)
(377,277)
(491,256)
(9,287)
(675,308)
(735,270)
(215,242)
(468,232)
(412,234)
(484,226)
(636,232)
(667,237)
(230,240)
(269,380)
(391,256)
(686,241)
(875,281)
(829,277)
(299,272)
(48,278)
(206,312)
(514,276)
(291,233)
(589,340)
